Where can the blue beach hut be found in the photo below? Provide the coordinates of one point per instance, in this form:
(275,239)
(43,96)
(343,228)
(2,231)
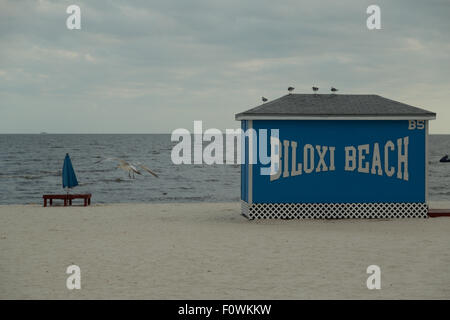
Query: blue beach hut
(335,156)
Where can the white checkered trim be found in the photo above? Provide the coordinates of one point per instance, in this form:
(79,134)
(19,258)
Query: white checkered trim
(334,210)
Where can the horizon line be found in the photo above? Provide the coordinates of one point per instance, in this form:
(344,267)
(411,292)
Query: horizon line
(92,133)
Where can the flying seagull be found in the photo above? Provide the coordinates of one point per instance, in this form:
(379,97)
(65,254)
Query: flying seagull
(144,167)
(290,89)
(333,89)
(264,99)
(130,168)
(315,89)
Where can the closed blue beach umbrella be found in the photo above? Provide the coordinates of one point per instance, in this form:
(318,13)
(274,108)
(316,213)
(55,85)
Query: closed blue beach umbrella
(69,179)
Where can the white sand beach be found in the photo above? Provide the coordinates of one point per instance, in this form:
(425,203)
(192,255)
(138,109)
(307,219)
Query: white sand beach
(209,251)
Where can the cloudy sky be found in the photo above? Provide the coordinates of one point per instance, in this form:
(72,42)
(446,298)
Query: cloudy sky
(153,66)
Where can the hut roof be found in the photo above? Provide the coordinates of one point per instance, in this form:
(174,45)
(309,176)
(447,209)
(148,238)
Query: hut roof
(335,106)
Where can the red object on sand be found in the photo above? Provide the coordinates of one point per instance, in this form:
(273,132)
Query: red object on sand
(433,213)
(67,198)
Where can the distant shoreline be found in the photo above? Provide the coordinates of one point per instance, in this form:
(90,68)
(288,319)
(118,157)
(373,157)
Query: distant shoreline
(432,204)
(50,133)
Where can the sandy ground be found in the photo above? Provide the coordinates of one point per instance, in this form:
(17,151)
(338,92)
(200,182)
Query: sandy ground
(209,251)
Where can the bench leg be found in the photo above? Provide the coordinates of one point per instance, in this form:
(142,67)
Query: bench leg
(89,201)
(70,202)
(85,202)
(65,202)
(45,203)
(51,201)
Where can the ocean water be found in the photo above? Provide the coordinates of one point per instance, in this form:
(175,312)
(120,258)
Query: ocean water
(30,166)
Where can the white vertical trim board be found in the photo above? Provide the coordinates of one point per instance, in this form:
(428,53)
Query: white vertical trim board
(426,160)
(250,165)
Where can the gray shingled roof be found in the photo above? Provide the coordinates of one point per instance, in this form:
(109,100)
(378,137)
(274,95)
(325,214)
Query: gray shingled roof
(334,106)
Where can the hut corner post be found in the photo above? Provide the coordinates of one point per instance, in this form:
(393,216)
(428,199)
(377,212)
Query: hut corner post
(247,170)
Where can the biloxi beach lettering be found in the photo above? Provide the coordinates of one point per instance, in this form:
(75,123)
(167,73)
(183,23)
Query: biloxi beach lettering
(371,158)
(356,158)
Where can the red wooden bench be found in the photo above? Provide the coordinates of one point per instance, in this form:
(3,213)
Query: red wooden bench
(67,198)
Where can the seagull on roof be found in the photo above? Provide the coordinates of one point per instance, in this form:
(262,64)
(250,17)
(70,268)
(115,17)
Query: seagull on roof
(130,168)
(264,99)
(315,89)
(290,89)
(333,89)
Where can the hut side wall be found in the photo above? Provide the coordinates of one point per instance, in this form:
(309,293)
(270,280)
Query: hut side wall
(339,190)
